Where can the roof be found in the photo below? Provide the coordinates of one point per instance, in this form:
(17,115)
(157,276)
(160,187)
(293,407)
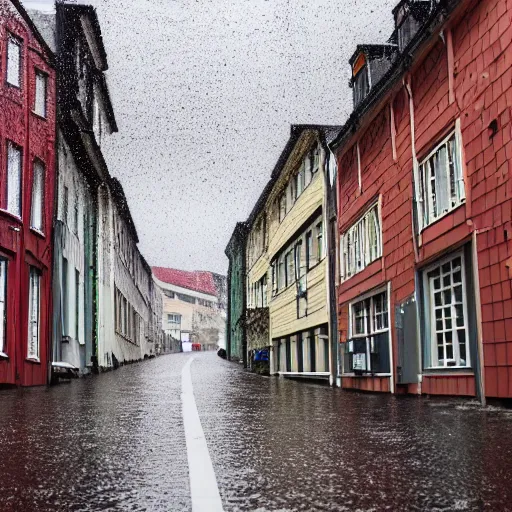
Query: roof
(40,39)
(296,131)
(122,204)
(197,280)
(402,63)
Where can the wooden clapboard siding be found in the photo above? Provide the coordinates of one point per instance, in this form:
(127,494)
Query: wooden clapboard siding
(283,307)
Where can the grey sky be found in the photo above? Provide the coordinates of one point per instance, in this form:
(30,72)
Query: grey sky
(204,94)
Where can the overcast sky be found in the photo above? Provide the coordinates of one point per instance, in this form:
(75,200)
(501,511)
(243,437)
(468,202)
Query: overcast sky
(204,93)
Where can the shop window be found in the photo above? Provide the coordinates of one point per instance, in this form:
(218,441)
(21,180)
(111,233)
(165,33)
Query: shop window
(446,313)
(14,61)
(441,181)
(3,304)
(368,345)
(34,315)
(362,243)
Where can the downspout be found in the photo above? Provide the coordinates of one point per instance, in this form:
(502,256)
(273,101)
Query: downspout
(478,307)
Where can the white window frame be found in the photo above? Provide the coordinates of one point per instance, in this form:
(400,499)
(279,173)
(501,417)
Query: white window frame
(426,215)
(41,93)
(14,61)
(429,303)
(14,179)
(355,250)
(370,330)
(37,203)
(4,265)
(34,317)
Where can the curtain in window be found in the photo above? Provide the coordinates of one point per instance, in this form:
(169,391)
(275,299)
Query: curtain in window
(40,100)
(13,63)
(441,171)
(36,220)
(14,180)
(34,305)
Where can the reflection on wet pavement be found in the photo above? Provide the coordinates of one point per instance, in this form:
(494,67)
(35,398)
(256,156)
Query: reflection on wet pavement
(116,442)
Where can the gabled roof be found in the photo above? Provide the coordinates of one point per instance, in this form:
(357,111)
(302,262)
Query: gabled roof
(296,131)
(198,281)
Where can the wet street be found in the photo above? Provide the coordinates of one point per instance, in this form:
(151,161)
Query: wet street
(118,442)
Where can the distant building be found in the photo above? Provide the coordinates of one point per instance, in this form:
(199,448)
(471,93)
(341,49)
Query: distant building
(236,334)
(27,183)
(194,306)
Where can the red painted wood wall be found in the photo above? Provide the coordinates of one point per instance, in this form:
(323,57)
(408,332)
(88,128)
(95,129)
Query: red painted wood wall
(482,93)
(25,248)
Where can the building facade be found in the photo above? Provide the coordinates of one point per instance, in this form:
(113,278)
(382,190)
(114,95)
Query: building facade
(85,117)
(193,307)
(27,163)
(236,340)
(424,205)
(287,314)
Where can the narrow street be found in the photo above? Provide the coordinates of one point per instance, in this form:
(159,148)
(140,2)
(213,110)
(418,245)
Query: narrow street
(117,442)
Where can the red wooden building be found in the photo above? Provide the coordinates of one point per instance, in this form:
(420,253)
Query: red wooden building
(425,205)
(27,140)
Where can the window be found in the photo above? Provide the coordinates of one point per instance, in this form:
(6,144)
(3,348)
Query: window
(34,314)
(13,179)
(96,120)
(361,85)
(75,206)
(14,61)
(77,304)
(40,96)
(368,346)
(446,312)
(65,205)
(3,304)
(281,275)
(174,319)
(320,241)
(315,159)
(36,215)
(282,207)
(65,297)
(309,250)
(289,268)
(441,181)
(186,298)
(362,243)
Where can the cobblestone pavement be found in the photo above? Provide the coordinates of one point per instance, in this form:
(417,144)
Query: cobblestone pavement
(117,442)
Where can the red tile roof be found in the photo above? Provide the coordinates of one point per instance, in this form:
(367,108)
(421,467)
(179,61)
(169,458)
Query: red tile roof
(198,281)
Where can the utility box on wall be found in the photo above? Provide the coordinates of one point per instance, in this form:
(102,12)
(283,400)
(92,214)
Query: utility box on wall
(408,367)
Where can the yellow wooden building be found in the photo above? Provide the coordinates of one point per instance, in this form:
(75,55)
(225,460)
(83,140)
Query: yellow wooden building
(287,268)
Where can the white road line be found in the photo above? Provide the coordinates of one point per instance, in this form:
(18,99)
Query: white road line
(204,490)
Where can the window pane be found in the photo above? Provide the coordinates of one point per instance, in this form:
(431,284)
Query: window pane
(441,177)
(3,297)
(34,315)
(14,180)
(14,62)
(40,99)
(36,220)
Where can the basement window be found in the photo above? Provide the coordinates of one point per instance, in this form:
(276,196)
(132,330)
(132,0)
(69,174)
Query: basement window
(441,181)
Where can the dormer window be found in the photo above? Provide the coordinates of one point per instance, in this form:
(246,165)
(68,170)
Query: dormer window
(360,79)
(409,16)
